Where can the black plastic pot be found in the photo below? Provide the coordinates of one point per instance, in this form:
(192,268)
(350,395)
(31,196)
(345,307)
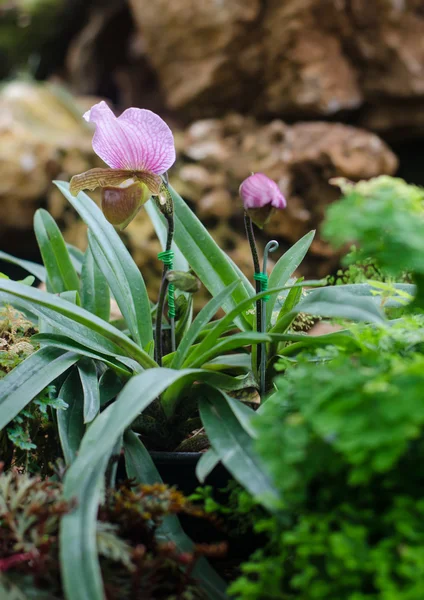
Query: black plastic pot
(179,469)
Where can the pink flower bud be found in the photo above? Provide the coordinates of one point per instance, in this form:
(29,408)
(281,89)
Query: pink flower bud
(261,197)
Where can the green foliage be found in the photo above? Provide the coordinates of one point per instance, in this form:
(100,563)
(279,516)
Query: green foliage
(349,428)
(385,216)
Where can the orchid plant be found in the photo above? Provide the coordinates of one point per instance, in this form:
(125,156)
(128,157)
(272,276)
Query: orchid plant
(140,381)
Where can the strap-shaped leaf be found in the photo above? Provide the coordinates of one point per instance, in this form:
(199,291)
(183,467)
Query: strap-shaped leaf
(95,295)
(234,446)
(90,385)
(341,303)
(204,316)
(77,257)
(285,267)
(206,464)
(60,270)
(79,561)
(74,322)
(118,267)
(35,269)
(29,378)
(221,326)
(60,341)
(70,422)
(232,342)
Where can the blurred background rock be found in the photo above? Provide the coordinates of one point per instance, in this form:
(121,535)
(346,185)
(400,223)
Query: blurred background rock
(303,90)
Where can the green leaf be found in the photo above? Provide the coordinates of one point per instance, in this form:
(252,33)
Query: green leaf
(110,385)
(244,415)
(207,260)
(138,462)
(61,341)
(369,290)
(77,257)
(71,296)
(90,385)
(141,468)
(74,322)
(35,269)
(285,267)
(80,569)
(234,446)
(79,561)
(239,362)
(29,378)
(28,280)
(291,299)
(117,266)
(60,270)
(204,316)
(222,325)
(95,295)
(283,322)
(70,422)
(206,464)
(232,342)
(335,302)
(174,393)
(341,339)
(184,321)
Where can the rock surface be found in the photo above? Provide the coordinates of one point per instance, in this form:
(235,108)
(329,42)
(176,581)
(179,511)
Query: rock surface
(290,59)
(42,137)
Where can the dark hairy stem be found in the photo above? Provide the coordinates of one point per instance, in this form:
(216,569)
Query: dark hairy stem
(252,243)
(162,294)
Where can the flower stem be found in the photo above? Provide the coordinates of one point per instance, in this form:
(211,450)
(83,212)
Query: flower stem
(270,247)
(162,295)
(252,243)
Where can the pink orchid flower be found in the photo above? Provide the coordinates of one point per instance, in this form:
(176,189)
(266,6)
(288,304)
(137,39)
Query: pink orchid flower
(139,147)
(261,197)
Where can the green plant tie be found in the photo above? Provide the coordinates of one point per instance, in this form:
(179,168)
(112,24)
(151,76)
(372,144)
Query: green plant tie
(167,257)
(263,279)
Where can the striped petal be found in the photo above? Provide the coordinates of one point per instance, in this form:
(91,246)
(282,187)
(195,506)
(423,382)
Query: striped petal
(90,180)
(258,191)
(138,140)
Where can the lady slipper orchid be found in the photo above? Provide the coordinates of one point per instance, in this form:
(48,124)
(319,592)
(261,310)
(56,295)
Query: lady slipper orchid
(138,146)
(261,197)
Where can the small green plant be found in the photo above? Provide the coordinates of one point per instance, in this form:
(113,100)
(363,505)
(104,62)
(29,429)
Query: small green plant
(385,217)
(349,428)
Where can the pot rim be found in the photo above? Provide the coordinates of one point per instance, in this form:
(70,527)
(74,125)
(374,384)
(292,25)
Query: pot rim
(186,458)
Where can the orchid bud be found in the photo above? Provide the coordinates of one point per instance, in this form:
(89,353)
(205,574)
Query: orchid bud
(261,197)
(164,200)
(186,282)
(121,204)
